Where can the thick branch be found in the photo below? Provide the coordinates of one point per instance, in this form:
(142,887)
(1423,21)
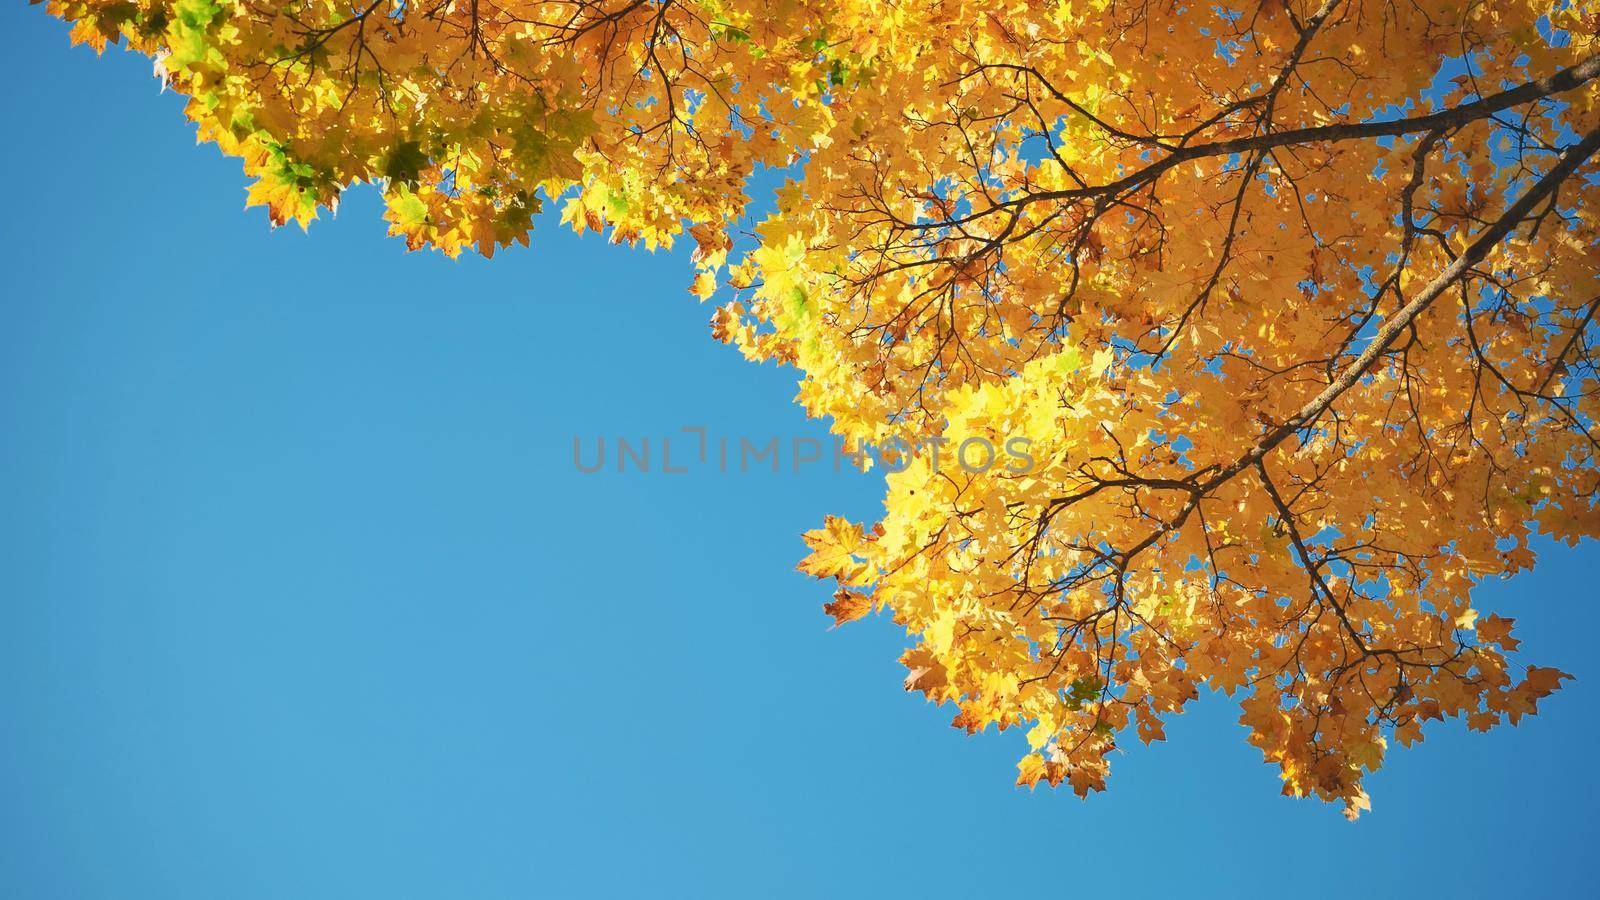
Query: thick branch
(1560,82)
(1574,157)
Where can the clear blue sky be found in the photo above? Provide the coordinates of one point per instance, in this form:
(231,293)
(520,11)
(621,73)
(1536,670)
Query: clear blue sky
(302,597)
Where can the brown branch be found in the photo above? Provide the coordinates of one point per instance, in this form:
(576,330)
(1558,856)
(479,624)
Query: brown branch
(1455,117)
(1574,157)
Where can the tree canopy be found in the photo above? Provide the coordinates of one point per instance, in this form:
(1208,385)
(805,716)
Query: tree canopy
(1294,301)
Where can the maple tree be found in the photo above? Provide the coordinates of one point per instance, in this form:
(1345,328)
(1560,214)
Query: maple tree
(1295,299)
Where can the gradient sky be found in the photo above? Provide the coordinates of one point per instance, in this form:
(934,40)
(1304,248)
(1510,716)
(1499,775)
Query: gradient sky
(302,597)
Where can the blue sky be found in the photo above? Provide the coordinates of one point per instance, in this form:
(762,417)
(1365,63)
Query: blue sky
(302,596)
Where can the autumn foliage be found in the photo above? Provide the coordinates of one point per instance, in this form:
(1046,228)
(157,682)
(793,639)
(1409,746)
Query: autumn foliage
(1295,301)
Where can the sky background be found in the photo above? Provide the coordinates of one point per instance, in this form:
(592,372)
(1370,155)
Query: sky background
(301,595)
